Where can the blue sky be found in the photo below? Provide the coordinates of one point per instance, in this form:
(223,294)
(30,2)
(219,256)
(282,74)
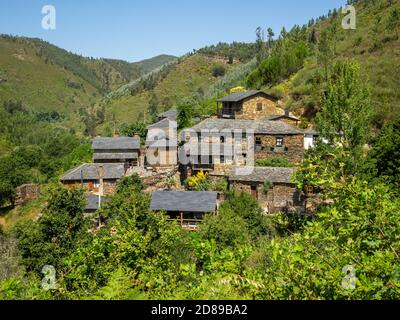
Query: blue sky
(133,30)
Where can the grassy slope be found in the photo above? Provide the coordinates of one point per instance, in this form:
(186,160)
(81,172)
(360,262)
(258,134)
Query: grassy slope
(42,86)
(9,218)
(186,78)
(380,64)
(153,63)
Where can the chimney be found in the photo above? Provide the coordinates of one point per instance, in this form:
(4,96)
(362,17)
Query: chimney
(287,112)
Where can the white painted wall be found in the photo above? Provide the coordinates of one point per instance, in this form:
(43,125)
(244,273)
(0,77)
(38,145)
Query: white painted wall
(308,141)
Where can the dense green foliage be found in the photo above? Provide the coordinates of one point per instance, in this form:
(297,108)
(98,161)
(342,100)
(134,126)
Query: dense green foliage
(384,158)
(285,60)
(36,152)
(346,110)
(373,44)
(236,50)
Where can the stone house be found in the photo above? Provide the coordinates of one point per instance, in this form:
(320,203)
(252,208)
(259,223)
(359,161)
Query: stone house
(162,144)
(186,207)
(171,114)
(124,150)
(282,194)
(95,178)
(216,145)
(247,105)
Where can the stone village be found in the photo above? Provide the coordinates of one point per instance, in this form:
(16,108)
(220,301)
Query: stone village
(249,126)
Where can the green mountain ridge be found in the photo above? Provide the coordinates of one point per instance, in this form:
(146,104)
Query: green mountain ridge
(29,65)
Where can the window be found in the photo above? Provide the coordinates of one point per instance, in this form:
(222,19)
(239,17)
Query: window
(222,159)
(258,141)
(315,139)
(244,158)
(222,139)
(96,184)
(279,142)
(259,107)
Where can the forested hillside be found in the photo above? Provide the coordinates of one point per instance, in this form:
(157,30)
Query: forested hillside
(45,78)
(297,62)
(194,78)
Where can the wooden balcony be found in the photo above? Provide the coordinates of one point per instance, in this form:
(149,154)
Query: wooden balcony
(188,224)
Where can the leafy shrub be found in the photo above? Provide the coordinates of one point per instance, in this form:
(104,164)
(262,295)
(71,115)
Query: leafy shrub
(281,64)
(277,91)
(199,182)
(218,71)
(267,185)
(132,183)
(137,128)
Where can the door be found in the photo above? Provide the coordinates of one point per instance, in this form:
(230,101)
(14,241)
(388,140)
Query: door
(254,192)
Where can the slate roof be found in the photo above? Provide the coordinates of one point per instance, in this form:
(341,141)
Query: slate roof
(171,114)
(90,171)
(184,201)
(162,143)
(260,174)
(115,156)
(163,124)
(117,143)
(239,96)
(92,202)
(259,126)
(277,117)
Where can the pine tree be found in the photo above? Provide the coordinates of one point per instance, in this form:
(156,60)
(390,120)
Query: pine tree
(153,107)
(325,52)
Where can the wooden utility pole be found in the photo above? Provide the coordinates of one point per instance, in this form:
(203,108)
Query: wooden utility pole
(101,183)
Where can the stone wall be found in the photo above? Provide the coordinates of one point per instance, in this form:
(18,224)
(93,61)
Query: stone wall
(108,185)
(26,192)
(292,150)
(250,112)
(279,197)
(163,157)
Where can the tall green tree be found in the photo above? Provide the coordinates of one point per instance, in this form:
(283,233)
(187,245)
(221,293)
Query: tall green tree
(185,114)
(260,44)
(325,51)
(60,230)
(345,115)
(153,107)
(271,35)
